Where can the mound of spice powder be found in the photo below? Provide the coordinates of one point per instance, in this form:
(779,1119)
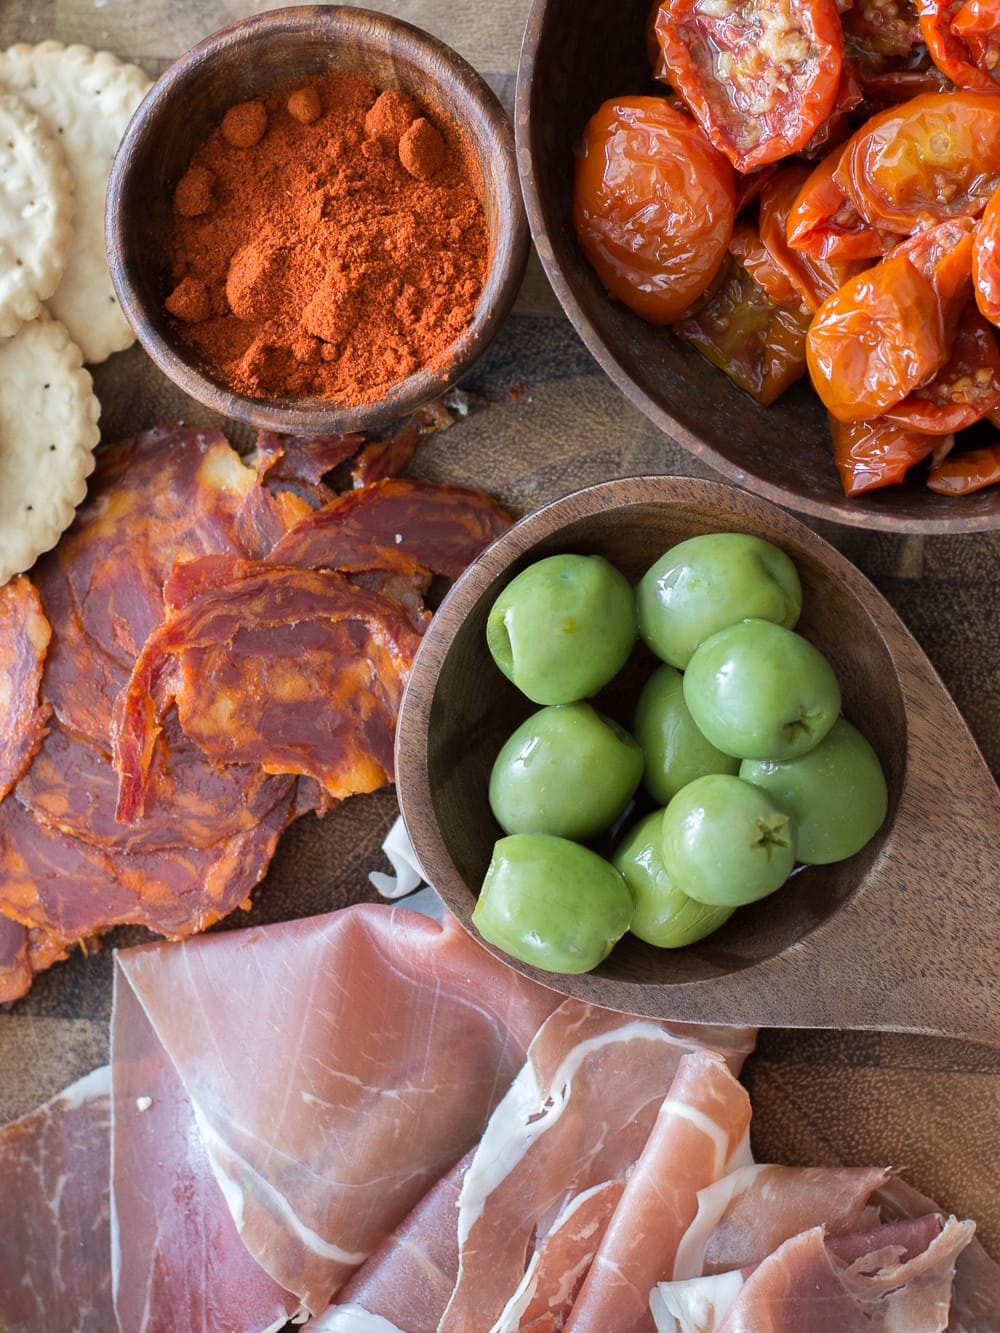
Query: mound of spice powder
(327,241)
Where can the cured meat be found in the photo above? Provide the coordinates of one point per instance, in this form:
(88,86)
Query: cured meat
(409,1278)
(15,960)
(388,1041)
(165,495)
(203,1277)
(578,1114)
(293,669)
(397,523)
(55,1242)
(752,1210)
(302,460)
(900,1281)
(73,889)
(699,1135)
(24,641)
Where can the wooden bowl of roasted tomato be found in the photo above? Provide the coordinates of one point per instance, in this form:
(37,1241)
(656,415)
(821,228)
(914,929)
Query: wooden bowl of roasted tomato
(775,228)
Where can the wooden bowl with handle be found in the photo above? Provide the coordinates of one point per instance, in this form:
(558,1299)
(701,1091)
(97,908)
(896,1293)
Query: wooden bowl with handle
(575,55)
(277,50)
(905,935)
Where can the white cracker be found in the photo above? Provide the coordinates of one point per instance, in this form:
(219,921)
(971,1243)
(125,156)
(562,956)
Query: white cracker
(36,212)
(48,430)
(86,99)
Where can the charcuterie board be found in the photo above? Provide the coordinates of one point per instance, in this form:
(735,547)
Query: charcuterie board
(543,420)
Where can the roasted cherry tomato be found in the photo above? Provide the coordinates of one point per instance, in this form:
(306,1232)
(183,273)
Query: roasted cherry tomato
(969,471)
(872,29)
(813,280)
(759,344)
(747,247)
(653,205)
(760,76)
(877,452)
(930,159)
(836,127)
(963,36)
(986,261)
(824,223)
(965,389)
(891,328)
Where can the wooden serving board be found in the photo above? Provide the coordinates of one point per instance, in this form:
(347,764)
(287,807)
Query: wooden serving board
(550,423)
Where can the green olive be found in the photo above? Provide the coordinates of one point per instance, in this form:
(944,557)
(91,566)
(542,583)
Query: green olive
(676,751)
(662,914)
(563,627)
(552,903)
(760,691)
(836,792)
(567,770)
(726,842)
(706,583)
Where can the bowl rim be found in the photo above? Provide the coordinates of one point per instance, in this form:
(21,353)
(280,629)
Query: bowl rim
(413,787)
(508,253)
(846,515)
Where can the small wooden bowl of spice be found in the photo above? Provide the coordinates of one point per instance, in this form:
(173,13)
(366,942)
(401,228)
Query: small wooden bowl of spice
(314,221)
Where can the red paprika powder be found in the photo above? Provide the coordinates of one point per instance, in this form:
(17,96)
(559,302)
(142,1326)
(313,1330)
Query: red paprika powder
(326,241)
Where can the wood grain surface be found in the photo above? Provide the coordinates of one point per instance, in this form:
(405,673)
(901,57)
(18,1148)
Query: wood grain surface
(549,423)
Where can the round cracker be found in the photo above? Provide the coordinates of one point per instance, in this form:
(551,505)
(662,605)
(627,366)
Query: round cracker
(36,214)
(86,98)
(48,430)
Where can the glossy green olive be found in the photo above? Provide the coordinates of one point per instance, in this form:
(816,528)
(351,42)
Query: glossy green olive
(836,792)
(676,751)
(662,914)
(567,770)
(760,691)
(563,627)
(726,842)
(552,903)
(706,583)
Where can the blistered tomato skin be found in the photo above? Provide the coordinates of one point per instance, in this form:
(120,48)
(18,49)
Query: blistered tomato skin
(552,903)
(705,583)
(726,843)
(837,793)
(567,770)
(563,627)
(675,750)
(653,205)
(662,914)
(760,691)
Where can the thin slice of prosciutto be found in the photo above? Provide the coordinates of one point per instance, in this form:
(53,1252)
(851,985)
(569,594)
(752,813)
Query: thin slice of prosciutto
(336,1069)
(55,1234)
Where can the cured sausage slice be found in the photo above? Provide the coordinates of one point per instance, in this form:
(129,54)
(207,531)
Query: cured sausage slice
(296,670)
(24,641)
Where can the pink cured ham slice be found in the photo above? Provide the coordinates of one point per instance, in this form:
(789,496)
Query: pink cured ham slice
(749,1212)
(699,1135)
(897,1279)
(202,1276)
(24,641)
(397,523)
(578,1114)
(55,1240)
(293,669)
(375,1047)
(410,1277)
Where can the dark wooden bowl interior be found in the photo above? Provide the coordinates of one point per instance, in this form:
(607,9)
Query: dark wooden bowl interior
(275,50)
(459,709)
(576,54)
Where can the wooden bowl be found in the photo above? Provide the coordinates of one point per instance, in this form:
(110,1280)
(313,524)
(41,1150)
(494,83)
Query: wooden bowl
(275,50)
(575,55)
(904,935)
